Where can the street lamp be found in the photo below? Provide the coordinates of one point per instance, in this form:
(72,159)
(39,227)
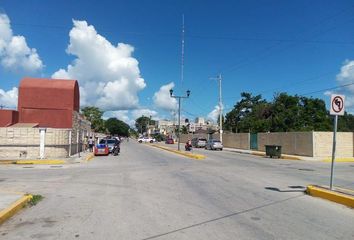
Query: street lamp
(179,112)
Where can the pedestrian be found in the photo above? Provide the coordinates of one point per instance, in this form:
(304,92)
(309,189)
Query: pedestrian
(85,143)
(91,142)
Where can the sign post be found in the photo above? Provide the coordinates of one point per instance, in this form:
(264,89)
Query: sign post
(337,108)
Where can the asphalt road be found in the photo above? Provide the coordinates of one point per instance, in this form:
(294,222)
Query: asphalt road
(148,193)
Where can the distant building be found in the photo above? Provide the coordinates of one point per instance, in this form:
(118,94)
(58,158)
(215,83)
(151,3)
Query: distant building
(199,121)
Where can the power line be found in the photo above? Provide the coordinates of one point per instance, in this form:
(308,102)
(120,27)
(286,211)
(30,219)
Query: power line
(267,51)
(307,80)
(328,89)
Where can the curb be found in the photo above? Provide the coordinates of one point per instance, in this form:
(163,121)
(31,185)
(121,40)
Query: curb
(14,208)
(190,155)
(339,160)
(47,162)
(285,157)
(331,195)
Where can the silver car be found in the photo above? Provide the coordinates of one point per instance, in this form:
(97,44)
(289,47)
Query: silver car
(199,142)
(214,144)
(110,143)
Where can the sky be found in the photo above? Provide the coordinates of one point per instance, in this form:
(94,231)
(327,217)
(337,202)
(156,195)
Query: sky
(127,55)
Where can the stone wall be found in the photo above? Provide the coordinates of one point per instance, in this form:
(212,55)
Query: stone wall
(295,143)
(323,144)
(23,143)
(19,143)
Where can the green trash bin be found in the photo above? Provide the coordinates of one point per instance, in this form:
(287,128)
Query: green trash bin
(273,151)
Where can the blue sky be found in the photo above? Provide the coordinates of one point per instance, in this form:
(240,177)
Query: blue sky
(259,46)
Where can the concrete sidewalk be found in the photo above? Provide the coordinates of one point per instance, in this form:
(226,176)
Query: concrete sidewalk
(11,202)
(84,157)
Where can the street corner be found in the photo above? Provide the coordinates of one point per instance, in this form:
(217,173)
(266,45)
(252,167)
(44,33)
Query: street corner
(337,195)
(11,203)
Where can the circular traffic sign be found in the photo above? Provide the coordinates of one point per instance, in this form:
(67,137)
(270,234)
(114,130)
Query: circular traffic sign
(337,104)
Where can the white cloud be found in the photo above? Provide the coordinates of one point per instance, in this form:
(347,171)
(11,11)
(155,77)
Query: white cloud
(163,100)
(214,115)
(9,98)
(146,112)
(122,115)
(346,76)
(15,55)
(108,75)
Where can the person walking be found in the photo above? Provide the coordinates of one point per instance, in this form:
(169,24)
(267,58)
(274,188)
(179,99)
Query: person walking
(91,142)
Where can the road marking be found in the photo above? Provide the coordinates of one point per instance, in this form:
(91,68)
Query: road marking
(190,155)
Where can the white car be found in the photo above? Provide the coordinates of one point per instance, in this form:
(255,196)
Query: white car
(146,140)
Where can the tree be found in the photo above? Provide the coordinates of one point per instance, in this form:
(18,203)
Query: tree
(345,123)
(184,130)
(142,123)
(285,113)
(94,115)
(117,127)
(235,119)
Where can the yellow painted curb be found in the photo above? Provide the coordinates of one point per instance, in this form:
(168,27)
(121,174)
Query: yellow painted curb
(48,162)
(285,157)
(89,157)
(190,155)
(333,196)
(339,160)
(14,208)
(7,161)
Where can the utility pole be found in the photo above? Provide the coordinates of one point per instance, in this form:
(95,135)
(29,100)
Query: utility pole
(179,113)
(219,78)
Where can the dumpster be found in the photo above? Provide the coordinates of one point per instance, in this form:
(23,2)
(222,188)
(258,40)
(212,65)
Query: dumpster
(273,150)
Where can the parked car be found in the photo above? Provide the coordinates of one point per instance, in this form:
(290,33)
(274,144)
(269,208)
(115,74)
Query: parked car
(146,140)
(199,142)
(214,144)
(101,149)
(110,143)
(169,141)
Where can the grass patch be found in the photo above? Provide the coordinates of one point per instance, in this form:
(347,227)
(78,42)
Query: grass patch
(35,199)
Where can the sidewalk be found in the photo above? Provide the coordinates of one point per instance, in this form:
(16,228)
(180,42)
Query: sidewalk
(243,151)
(262,154)
(10,203)
(84,157)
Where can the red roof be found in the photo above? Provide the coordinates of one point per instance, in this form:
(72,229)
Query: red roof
(49,94)
(49,102)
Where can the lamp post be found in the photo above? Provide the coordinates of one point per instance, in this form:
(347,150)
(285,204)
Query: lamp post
(179,112)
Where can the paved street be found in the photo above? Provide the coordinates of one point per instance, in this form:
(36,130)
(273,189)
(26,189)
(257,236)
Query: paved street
(149,193)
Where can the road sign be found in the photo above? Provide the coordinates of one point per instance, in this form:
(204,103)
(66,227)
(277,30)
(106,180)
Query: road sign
(337,104)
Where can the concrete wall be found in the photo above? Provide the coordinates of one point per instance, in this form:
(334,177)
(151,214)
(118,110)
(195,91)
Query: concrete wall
(295,143)
(231,140)
(323,144)
(236,140)
(19,143)
(23,143)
